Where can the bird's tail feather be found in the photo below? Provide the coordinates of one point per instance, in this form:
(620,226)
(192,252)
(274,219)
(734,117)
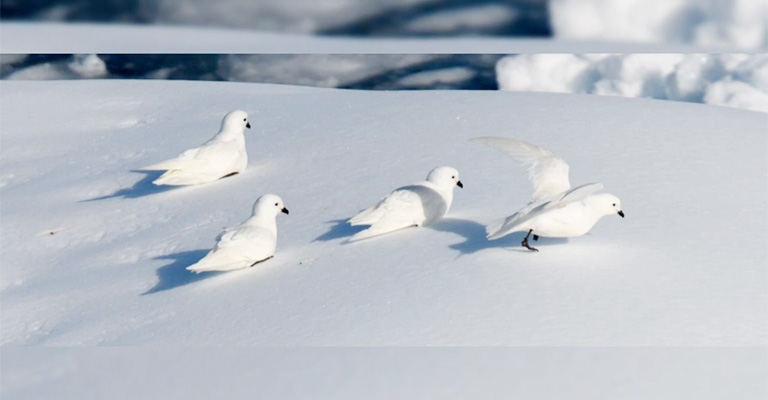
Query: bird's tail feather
(208,265)
(375,231)
(365,217)
(502,227)
(173,163)
(175,177)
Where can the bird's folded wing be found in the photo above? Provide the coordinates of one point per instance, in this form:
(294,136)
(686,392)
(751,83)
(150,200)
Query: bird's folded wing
(401,209)
(400,202)
(547,172)
(174,163)
(241,234)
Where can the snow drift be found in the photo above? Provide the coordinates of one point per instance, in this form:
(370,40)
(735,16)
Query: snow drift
(733,80)
(94,254)
(737,23)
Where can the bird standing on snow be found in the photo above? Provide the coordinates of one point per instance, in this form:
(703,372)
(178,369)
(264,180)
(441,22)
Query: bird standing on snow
(415,205)
(247,244)
(556,210)
(221,156)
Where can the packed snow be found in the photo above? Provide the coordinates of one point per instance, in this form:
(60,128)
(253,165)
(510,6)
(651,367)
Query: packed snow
(94,254)
(732,80)
(738,23)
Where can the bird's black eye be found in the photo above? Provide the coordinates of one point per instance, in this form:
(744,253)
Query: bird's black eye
(453,177)
(614,204)
(243,119)
(279,206)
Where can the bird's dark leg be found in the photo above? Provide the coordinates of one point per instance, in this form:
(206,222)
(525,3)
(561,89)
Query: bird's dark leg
(260,261)
(229,174)
(525,242)
(535,237)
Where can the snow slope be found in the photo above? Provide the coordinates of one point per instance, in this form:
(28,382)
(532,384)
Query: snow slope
(93,254)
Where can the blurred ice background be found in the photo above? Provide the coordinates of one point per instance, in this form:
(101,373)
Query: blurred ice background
(730,23)
(342,17)
(352,71)
(733,80)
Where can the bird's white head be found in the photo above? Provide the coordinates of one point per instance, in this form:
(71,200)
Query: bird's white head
(445,177)
(269,205)
(606,204)
(235,121)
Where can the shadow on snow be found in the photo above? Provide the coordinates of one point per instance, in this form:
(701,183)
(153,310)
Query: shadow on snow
(175,274)
(143,187)
(475,238)
(338,230)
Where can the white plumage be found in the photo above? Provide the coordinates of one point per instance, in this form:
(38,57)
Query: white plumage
(555,209)
(251,242)
(221,156)
(415,205)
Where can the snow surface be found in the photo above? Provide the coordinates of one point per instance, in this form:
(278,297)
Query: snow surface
(732,80)
(738,23)
(93,254)
(74,38)
(31,373)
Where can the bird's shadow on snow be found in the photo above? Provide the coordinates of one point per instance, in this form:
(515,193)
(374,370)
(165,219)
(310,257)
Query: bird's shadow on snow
(175,274)
(339,229)
(475,237)
(143,187)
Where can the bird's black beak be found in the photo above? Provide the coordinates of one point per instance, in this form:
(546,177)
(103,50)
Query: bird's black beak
(621,214)
(248,125)
(285,210)
(459,184)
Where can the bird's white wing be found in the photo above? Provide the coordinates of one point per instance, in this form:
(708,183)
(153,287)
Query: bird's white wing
(575,194)
(238,248)
(400,209)
(512,223)
(213,156)
(173,163)
(547,172)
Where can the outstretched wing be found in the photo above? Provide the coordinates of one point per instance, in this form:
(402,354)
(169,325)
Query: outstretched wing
(513,223)
(547,172)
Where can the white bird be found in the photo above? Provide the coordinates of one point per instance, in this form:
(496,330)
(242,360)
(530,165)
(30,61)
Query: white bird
(247,244)
(556,210)
(415,205)
(221,156)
